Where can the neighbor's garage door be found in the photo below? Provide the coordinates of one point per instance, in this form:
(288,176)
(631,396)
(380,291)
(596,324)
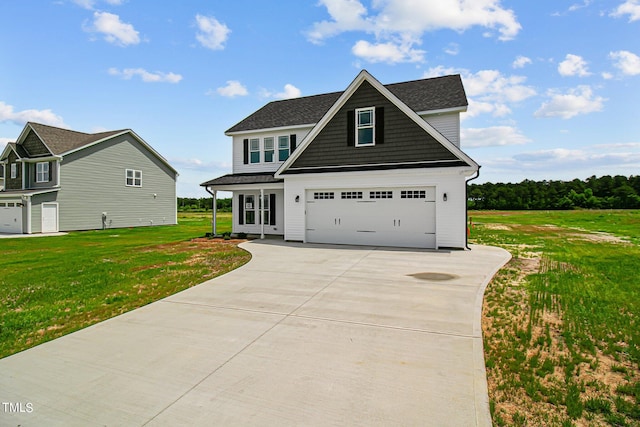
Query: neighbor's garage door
(10,217)
(381,217)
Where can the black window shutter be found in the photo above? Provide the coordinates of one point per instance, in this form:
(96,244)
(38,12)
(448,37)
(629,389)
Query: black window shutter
(272,206)
(292,141)
(351,128)
(241,209)
(245,147)
(379,125)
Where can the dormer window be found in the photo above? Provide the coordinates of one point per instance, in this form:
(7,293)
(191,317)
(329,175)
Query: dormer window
(365,126)
(42,172)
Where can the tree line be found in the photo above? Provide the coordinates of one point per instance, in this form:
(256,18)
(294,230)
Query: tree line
(605,192)
(202,204)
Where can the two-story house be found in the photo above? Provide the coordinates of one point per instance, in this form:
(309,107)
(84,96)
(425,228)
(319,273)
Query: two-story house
(372,165)
(61,180)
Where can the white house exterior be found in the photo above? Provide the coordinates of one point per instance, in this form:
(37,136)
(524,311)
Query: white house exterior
(373,165)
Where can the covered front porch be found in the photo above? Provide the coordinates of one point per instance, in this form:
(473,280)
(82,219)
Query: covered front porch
(257,203)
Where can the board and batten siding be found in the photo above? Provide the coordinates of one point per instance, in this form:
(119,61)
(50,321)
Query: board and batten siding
(93,183)
(238,149)
(448,124)
(450,215)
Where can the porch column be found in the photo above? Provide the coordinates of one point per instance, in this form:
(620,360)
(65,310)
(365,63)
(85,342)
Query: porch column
(262,213)
(214,215)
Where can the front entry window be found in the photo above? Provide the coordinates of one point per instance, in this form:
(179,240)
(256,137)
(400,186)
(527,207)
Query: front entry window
(249,209)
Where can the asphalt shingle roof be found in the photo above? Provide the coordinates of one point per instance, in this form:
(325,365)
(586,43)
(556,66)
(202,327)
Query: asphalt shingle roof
(60,140)
(243,178)
(436,93)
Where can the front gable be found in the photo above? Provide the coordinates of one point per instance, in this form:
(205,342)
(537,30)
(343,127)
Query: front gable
(34,145)
(402,138)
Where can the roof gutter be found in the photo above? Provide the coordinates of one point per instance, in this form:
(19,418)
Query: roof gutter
(466,211)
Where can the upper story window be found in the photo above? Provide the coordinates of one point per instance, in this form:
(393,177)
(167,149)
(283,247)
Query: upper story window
(134,178)
(254,150)
(42,172)
(268,149)
(365,126)
(283,148)
(14,170)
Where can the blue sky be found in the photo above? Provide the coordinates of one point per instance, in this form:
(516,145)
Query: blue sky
(553,86)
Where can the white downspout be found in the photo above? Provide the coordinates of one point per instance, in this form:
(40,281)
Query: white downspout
(26,200)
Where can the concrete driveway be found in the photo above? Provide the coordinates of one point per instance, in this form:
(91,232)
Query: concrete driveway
(302,335)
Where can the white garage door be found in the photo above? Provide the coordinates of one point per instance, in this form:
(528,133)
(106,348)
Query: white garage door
(381,217)
(10,217)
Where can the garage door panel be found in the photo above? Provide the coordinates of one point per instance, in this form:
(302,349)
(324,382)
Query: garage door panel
(379,217)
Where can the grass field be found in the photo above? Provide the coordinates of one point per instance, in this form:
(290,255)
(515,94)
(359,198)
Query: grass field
(55,285)
(561,320)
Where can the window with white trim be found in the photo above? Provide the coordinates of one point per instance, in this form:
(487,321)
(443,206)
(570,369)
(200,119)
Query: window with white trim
(249,209)
(14,170)
(133,178)
(365,126)
(268,149)
(42,172)
(283,148)
(254,150)
(266,210)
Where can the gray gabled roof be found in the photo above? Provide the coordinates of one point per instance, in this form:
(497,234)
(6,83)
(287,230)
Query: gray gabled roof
(243,178)
(60,141)
(438,93)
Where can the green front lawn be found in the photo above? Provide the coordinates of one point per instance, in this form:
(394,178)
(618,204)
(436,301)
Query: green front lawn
(51,286)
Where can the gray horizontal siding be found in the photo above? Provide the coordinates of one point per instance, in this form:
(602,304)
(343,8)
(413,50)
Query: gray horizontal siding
(404,140)
(36,209)
(93,182)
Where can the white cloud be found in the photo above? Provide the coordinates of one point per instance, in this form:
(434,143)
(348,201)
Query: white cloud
(629,7)
(46,117)
(290,91)
(114,30)
(452,49)
(576,101)
(212,33)
(146,76)
(232,89)
(573,65)
(521,61)
(387,52)
(491,137)
(627,62)
(489,91)
(398,25)
(90,4)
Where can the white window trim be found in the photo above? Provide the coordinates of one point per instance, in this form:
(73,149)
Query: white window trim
(272,149)
(44,174)
(288,147)
(14,170)
(252,151)
(249,207)
(133,178)
(372,126)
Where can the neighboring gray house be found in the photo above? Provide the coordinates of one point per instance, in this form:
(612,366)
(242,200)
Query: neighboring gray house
(373,165)
(62,180)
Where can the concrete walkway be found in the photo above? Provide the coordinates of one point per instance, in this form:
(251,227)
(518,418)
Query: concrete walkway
(303,335)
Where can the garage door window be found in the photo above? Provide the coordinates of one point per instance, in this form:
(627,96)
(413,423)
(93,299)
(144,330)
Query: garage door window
(413,194)
(351,195)
(381,195)
(323,196)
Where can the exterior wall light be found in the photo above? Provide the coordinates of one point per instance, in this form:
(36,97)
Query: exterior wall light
(298,199)
(444,197)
